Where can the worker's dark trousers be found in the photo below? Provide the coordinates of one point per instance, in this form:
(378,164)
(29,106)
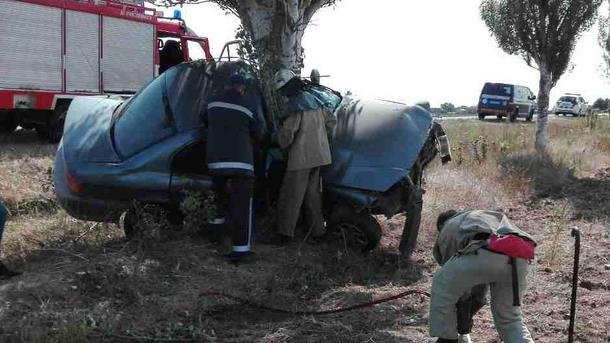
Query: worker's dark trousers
(300,189)
(236,194)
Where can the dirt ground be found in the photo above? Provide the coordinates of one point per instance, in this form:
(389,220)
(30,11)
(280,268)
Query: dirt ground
(83,282)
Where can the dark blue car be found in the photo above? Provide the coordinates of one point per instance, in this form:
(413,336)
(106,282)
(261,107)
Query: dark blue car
(151,149)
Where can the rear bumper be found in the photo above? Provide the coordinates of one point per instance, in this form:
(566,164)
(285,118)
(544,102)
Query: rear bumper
(81,207)
(492,111)
(566,111)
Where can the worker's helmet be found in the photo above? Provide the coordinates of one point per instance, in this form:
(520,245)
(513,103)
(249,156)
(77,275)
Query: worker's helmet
(282,77)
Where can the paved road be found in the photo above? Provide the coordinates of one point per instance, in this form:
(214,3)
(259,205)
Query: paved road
(493,118)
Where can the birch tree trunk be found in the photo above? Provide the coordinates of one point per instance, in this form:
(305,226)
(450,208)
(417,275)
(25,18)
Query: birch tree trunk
(276,29)
(546,84)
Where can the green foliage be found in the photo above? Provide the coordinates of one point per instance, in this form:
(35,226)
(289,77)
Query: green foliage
(447,107)
(197,208)
(604,38)
(602,104)
(543,32)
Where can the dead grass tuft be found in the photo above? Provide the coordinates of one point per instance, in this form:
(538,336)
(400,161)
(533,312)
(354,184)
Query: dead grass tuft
(547,176)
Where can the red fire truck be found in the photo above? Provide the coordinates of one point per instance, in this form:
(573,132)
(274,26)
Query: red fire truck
(54,50)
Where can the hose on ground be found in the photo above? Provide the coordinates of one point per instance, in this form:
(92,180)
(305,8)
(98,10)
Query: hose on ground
(252,304)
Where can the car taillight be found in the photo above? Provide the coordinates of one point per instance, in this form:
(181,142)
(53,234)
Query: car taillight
(73,184)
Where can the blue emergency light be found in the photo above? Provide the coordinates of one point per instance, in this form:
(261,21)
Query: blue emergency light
(177,14)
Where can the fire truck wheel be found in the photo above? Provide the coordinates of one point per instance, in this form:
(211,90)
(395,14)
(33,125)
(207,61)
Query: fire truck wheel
(8,125)
(42,132)
(56,124)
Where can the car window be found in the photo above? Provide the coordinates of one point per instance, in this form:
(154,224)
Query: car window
(498,89)
(329,98)
(186,91)
(145,120)
(568,99)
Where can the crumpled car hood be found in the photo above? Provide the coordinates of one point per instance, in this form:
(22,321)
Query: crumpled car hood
(375,143)
(87,130)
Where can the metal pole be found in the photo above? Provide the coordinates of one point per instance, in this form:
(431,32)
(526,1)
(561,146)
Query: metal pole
(576,235)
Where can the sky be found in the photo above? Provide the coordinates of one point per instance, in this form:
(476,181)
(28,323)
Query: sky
(410,51)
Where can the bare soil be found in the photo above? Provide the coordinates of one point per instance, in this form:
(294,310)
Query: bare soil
(84,283)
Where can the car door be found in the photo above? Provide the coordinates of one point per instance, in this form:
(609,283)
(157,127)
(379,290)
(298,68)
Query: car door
(521,99)
(143,134)
(583,105)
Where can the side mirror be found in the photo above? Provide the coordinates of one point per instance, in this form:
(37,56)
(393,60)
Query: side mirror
(533,97)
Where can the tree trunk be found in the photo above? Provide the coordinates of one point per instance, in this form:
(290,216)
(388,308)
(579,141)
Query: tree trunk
(276,29)
(546,84)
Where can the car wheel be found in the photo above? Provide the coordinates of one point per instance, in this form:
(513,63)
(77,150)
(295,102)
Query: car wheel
(530,116)
(481,116)
(499,117)
(359,231)
(128,222)
(513,116)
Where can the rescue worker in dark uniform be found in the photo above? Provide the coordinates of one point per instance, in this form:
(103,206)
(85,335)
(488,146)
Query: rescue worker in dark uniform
(232,129)
(303,135)
(170,55)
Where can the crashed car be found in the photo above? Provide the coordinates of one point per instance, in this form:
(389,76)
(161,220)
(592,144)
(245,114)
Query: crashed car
(151,149)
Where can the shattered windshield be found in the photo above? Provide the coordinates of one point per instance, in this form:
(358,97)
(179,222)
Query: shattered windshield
(328,97)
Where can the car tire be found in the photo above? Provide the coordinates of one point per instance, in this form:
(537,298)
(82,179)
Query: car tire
(557,113)
(530,116)
(127,223)
(499,117)
(481,116)
(359,231)
(513,116)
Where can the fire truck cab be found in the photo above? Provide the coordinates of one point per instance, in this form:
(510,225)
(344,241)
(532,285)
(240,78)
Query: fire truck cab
(55,50)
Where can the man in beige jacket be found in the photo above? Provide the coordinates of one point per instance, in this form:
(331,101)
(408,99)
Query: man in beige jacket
(467,263)
(303,136)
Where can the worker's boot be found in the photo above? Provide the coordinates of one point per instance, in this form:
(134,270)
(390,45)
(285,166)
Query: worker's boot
(240,257)
(6,272)
(464,339)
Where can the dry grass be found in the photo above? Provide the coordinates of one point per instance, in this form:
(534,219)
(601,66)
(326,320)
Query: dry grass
(84,283)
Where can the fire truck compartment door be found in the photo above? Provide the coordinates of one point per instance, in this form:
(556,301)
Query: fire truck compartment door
(82,52)
(31,41)
(128,54)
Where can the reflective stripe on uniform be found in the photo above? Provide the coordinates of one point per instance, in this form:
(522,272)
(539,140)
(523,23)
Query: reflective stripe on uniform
(241,248)
(221,104)
(246,248)
(231,165)
(217,221)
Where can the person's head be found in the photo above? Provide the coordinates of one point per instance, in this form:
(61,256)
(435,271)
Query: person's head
(443,217)
(237,83)
(287,82)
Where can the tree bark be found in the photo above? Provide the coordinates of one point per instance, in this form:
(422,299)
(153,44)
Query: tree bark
(276,29)
(546,84)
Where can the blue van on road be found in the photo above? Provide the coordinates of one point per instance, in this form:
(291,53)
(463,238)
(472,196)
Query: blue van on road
(506,100)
